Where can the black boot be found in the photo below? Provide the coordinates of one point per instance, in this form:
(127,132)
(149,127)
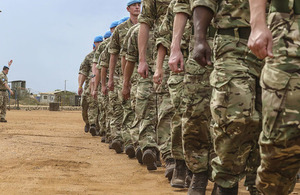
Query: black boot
(170,165)
(214,191)
(86,128)
(93,130)
(129,150)
(179,174)
(117,146)
(149,159)
(228,191)
(139,155)
(198,183)
(188,178)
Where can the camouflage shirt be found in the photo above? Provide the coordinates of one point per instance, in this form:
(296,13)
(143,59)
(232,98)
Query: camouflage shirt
(132,54)
(99,50)
(126,39)
(86,67)
(165,31)
(3,80)
(228,13)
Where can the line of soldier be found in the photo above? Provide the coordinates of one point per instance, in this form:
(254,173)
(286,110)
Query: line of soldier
(179,82)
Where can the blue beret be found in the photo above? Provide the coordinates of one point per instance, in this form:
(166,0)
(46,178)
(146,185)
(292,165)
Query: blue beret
(114,24)
(123,20)
(107,34)
(98,39)
(130,2)
(94,45)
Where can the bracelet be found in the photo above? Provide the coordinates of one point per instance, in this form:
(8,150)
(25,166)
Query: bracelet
(80,86)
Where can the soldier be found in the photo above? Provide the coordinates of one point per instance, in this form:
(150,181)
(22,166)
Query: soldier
(151,17)
(236,95)
(122,109)
(3,91)
(85,73)
(280,81)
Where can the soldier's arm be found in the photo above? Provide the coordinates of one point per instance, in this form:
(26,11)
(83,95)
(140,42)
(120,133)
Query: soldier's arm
(112,67)
(103,80)
(129,68)
(143,37)
(159,72)
(176,57)
(10,63)
(81,79)
(260,40)
(202,18)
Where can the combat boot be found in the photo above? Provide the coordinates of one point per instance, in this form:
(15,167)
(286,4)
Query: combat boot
(149,159)
(228,191)
(129,150)
(2,120)
(170,165)
(110,144)
(253,190)
(198,183)
(179,174)
(139,155)
(214,191)
(188,178)
(93,130)
(158,161)
(117,146)
(86,128)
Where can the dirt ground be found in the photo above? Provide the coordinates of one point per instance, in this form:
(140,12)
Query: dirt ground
(46,152)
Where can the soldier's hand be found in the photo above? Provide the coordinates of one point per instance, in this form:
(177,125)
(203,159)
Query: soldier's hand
(111,85)
(126,92)
(11,92)
(158,76)
(176,62)
(95,94)
(80,90)
(202,52)
(10,63)
(104,90)
(143,69)
(261,42)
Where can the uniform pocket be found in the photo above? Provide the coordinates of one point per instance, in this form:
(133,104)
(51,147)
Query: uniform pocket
(274,84)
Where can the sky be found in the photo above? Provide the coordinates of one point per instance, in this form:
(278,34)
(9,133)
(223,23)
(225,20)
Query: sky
(48,39)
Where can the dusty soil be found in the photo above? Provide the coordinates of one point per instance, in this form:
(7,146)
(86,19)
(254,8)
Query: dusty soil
(46,152)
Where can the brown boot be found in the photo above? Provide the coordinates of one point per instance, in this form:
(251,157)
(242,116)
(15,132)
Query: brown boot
(2,120)
(179,174)
(139,155)
(198,183)
(93,130)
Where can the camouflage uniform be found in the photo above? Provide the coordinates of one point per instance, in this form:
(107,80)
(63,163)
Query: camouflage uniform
(89,105)
(235,102)
(280,81)
(134,131)
(104,62)
(101,99)
(196,95)
(3,95)
(116,45)
(153,12)
(145,107)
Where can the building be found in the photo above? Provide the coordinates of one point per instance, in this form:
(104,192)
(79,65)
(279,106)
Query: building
(46,98)
(64,98)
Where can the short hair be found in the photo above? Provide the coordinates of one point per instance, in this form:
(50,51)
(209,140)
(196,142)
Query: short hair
(5,67)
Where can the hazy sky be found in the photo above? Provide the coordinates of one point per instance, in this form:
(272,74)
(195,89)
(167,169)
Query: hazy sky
(48,39)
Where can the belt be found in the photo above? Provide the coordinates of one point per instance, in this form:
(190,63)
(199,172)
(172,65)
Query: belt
(283,6)
(243,32)
(210,32)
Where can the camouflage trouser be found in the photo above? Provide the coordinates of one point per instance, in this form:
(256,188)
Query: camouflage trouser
(175,83)
(3,103)
(92,110)
(116,110)
(130,134)
(235,107)
(102,104)
(280,140)
(196,119)
(146,113)
(85,107)
(165,111)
